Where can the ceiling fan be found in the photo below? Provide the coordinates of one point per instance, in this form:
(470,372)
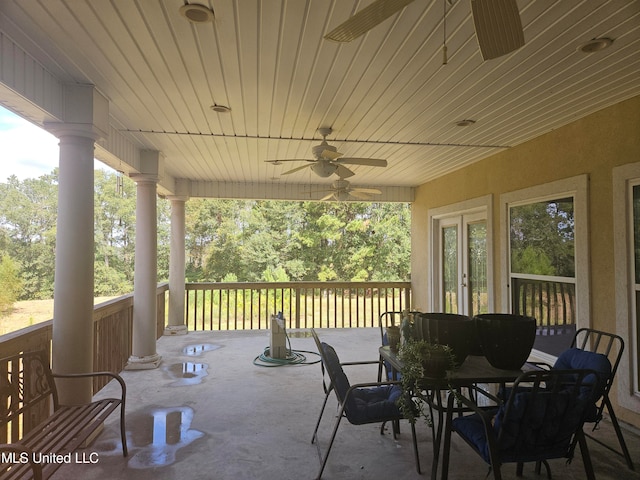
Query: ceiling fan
(497,23)
(329,161)
(341,190)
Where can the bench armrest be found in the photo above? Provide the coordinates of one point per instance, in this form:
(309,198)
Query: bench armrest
(115,376)
(21,452)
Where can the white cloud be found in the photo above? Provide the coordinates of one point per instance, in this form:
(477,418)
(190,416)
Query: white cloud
(26,150)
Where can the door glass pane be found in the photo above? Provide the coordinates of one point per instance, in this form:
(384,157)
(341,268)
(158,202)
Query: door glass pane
(450,268)
(477,282)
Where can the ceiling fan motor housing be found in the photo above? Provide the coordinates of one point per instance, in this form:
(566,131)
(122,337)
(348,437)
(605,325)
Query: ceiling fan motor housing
(318,149)
(323,168)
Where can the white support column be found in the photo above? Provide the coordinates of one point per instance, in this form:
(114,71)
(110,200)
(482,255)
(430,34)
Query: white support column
(86,120)
(176,325)
(73,289)
(144,355)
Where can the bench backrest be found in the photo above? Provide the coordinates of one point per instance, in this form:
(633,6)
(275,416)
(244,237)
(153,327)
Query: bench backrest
(27,392)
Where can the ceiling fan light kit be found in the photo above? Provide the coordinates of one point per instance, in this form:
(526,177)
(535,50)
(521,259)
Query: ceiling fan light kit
(329,161)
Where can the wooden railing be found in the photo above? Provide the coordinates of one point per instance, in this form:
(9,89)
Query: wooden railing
(242,306)
(552,303)
(112,326)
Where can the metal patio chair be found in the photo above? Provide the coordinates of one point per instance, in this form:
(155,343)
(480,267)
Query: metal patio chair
(544,412)
(361,404)
(611,346)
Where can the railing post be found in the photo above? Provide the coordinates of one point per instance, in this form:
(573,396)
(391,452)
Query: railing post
(297,291)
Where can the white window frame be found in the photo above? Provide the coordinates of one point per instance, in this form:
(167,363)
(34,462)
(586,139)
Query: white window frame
(578,188)
(482,204)
(624,179)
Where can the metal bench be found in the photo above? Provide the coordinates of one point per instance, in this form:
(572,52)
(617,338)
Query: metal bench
(27,392)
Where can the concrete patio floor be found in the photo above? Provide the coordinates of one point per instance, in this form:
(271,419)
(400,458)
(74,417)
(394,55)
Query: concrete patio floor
(209,413)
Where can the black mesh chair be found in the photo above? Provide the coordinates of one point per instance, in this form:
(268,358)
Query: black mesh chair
(387,319)
(544,412)
(611,346)
(361,404)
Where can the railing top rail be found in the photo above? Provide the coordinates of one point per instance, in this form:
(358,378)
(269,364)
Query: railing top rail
(324,285)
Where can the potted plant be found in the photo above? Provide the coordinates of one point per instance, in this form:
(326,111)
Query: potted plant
(421,361)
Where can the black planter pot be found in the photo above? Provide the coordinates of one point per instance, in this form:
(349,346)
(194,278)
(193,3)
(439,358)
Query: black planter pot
(451,329)
(436,365)
(506,339)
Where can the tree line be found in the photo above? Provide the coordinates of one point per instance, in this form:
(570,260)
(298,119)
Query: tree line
(226,240)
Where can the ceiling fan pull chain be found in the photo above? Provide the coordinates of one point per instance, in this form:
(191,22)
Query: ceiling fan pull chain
(444,28)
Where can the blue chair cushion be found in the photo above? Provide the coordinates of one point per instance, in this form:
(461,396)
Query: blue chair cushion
(527,434)
(366,404)
(576,358)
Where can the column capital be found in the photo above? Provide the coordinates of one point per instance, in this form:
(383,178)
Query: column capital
(82,130)
(144,178)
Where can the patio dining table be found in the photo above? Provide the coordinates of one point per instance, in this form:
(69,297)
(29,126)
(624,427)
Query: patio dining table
(474,370)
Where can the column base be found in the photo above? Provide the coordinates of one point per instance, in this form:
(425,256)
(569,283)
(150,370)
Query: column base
(176,330)
(149,362)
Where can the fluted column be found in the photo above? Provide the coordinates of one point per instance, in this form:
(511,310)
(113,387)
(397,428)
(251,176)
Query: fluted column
(176,325)
(144,355)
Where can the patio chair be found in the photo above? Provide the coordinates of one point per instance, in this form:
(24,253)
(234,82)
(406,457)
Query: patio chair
(387,319)
(544,412)
(361,404)
(587,345)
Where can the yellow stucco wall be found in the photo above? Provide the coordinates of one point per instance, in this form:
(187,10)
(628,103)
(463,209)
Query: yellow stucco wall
(593,145)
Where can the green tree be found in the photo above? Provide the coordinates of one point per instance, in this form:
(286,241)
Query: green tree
(114,232)
(542,238)
(10,283)
(28,212)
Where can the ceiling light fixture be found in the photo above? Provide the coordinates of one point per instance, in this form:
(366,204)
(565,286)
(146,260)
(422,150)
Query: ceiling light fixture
(465,123)
(595,45)
(197,13)
(220,108)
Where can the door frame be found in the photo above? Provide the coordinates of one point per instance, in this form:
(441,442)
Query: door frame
(480,205)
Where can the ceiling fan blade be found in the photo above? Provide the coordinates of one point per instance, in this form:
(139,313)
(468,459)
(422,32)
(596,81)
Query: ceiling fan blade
(373,191)
(360,195)
(326,197)
(278,162)
(296,169)
(371,162)
(366,19)
(343,172)
(498,27)
(331,155)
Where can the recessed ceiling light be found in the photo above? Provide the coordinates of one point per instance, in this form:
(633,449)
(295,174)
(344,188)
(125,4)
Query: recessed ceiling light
(220,108)
(465,123)
(197,13)
(595,45)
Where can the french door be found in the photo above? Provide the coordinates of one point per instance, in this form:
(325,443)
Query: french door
(462,267)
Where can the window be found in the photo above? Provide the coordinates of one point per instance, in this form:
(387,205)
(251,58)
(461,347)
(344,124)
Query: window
(545,262)
(626,225)
(542,268)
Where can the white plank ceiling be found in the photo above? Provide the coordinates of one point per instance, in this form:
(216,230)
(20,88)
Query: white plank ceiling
(386,95)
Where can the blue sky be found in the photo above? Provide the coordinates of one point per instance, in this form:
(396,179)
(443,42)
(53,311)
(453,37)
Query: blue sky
(26,150)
